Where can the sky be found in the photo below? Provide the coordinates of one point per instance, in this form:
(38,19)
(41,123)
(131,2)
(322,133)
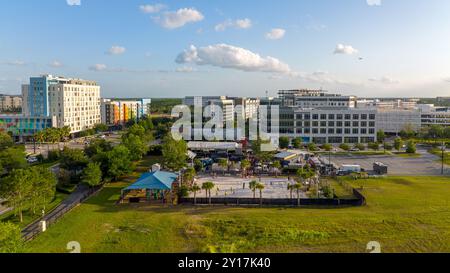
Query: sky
(167,48)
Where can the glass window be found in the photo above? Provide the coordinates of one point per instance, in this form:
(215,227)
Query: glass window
(331,116)
(355,116)
(339,116)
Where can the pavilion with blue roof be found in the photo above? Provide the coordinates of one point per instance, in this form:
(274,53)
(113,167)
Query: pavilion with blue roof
(155,185)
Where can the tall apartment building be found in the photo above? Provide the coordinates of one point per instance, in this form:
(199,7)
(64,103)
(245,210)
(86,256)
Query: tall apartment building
(10,103)
(119,111)
(74,102)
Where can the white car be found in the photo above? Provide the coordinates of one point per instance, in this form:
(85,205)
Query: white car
(32,160)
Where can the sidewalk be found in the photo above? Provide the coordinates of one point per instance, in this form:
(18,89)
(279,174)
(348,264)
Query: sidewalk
(69,203)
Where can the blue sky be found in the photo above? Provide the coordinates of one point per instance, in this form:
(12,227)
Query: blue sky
(177,48)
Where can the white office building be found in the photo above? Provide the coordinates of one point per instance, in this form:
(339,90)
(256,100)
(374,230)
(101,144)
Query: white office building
(75,103)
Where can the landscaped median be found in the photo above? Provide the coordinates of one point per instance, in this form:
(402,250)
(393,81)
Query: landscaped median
(404,214)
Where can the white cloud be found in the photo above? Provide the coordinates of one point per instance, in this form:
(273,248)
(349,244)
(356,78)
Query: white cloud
(447,80)
(152,8)
(179,18)
(373,2)
(244,23)
(276,34)
(227,56)
(116,50)
(56,64)
(185,69)
(239,24)
(384,80)
(15,63)
(98,67)
(73,2)
(345,49)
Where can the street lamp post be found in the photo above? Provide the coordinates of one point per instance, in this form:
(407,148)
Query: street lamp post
(443,148)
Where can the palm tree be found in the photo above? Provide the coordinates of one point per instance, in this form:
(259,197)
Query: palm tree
(39,137)
(195,188)
(260,187)
(189,175)
(65,133)
(298,187)
(290,187)
(208,186)
(252,186)
(245,164)
(277,166)
(223,163)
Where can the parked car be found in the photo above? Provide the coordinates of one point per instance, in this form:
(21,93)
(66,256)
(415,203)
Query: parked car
(32,159)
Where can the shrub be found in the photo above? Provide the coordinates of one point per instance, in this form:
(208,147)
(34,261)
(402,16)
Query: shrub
(360,146)
(411,147)
(344,146)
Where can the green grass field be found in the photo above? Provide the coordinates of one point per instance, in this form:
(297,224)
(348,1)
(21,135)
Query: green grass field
(404,214)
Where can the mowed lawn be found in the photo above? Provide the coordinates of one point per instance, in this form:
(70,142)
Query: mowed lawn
(404,214)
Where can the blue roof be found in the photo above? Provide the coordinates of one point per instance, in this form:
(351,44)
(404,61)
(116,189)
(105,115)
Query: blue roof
(158,180)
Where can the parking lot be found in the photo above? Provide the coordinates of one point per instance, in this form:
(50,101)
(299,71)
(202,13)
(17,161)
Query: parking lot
(426,164)
(234,187)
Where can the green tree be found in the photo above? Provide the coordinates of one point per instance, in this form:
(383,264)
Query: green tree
(327,147)
(136,130)
(223,163)
(6,141)
(208,186)
(118,162)
(189,176)
(174,153)
(73,160)
(198,165)
(136,146)
(10,238)
(277,165)
(298,187)
(13,158)
(374,146)
(297,143)
(305,173)
(360,146)
(194,189)
(245,165)
(147,124)
(96,147)
(344,146)
(411,147)
(16,189)
(381,136)
(43,183)
(252,186)
(101,127)
(92,174)
(312,147)
(290,188)
(284,142)
(260,187)
(64,133)
(398,143)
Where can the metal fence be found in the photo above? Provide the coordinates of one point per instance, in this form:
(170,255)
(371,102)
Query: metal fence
(276,202)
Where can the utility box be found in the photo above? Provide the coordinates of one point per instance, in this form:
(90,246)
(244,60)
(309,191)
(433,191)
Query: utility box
(43,226)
